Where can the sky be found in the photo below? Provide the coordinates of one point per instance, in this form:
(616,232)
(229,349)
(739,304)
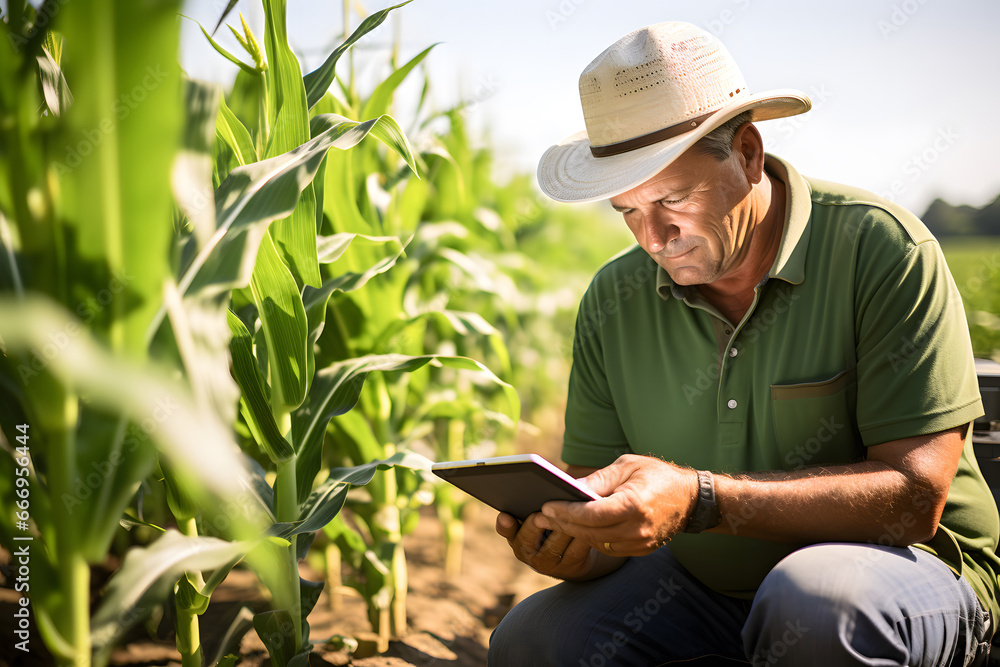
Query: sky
(903,90)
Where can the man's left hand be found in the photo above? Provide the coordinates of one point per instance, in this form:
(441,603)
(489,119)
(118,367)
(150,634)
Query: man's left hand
(645,503)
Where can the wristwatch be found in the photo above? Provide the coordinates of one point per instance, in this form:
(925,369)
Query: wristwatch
(706,512)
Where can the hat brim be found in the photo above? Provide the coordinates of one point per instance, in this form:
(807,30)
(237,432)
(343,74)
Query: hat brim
(568,171)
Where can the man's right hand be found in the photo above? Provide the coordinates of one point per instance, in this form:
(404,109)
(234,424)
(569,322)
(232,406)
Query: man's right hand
(554,553)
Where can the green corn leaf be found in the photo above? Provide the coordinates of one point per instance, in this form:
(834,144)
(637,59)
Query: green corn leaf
(189,598)
(274,629)
(191,173)
(315,300)
(286,329)
(253,196)
(136,392)
(234,134)
(120,141)
(146,575)
(221,649)
(249,69)
(318,81)
(331,248)
(381,97)
(336,390)
(326,501)
(355,432)
(384,128)
(346,537)
(254,400)
(295,236)
(182,501)
(129,522)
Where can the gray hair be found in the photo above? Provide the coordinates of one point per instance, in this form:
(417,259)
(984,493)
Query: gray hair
(719,142)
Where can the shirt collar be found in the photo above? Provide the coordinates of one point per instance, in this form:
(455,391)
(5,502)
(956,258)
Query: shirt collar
(789,264)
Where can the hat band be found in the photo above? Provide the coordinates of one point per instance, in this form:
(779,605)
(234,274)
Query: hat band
(649,139)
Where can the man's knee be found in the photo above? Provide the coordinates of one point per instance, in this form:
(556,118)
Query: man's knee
(803,605)
(530,634)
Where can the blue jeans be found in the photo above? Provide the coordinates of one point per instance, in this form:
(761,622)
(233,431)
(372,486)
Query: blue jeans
(826,605)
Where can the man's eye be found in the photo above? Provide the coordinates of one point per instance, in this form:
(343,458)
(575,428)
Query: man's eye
(668,202)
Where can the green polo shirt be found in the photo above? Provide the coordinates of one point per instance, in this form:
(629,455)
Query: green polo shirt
(856,337)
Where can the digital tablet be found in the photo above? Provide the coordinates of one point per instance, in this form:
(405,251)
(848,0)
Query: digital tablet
(518,485)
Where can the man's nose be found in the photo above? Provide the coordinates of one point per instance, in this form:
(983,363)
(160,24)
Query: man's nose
(659,231)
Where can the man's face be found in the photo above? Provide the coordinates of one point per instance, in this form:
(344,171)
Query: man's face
(693,217)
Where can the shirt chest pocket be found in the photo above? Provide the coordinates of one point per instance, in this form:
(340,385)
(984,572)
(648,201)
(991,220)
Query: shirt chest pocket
(814,421)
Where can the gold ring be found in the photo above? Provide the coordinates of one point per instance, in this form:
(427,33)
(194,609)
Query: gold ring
(607,547)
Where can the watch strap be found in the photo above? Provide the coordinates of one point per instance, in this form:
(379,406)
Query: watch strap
(706,512)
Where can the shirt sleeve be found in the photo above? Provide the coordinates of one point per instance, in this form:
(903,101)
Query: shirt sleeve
(916,373)
(593,435)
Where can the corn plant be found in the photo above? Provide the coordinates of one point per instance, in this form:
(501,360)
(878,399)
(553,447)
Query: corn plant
(285,403)
(86,234)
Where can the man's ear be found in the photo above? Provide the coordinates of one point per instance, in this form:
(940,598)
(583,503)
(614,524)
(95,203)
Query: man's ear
(749,149)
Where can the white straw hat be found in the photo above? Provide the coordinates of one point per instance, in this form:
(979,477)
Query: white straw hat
(646,99)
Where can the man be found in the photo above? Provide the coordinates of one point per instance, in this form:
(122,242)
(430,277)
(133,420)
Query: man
(778,382)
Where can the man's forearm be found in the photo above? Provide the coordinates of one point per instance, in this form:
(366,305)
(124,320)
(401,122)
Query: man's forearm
(868,501)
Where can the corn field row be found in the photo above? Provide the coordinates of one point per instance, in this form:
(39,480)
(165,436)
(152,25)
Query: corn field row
(228,315)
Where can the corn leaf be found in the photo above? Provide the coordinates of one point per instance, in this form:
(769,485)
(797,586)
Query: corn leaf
(138,392)
(380,99)
(315,300)
(286,329)
(254,195)
(58,97)
(191,174)
(249,69)
(295,236)
(254,400)
(273,629)
(318,81)
(146,576)
(129,121)
(326,501)
(231,131)
(385,129)
(336,390)
(225,13)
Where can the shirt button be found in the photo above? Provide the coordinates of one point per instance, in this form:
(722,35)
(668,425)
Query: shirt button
(732,403)
(732,352)
(729,331)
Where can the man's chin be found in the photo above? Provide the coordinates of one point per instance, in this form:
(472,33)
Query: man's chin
(686,275)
